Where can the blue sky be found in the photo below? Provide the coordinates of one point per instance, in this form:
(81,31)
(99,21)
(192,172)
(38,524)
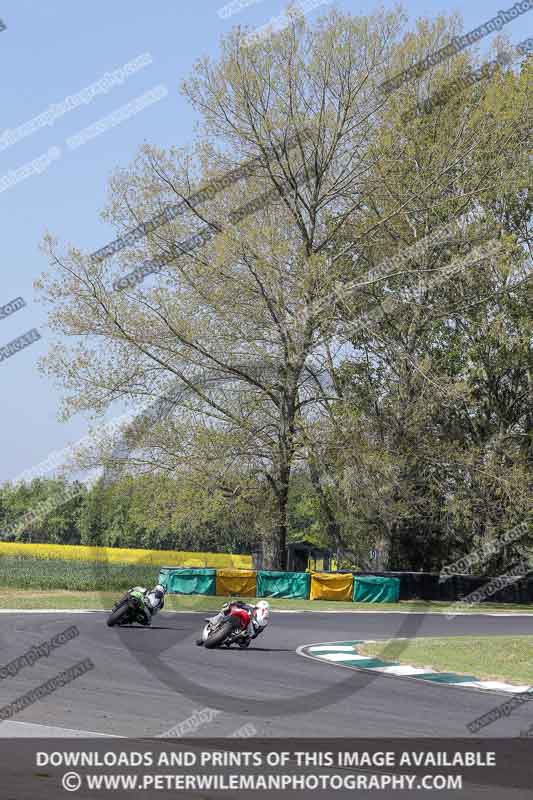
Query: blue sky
(53,49)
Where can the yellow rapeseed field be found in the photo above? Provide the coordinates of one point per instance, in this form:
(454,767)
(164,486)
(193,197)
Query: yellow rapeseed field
(123,555)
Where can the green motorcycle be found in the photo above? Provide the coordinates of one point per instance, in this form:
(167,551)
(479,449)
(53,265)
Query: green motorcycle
(129,609)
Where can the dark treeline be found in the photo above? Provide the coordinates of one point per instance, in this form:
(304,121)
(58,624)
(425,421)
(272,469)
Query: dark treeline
(144,513)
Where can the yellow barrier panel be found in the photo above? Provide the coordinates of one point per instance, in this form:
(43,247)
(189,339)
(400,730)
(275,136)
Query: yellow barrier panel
(240,582)
(331,586)
(123,555)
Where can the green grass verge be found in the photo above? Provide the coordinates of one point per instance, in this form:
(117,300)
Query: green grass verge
(32,598)
(505,658)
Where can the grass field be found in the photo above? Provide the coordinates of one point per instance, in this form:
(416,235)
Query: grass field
(31,598)
(506,658)
(79,576)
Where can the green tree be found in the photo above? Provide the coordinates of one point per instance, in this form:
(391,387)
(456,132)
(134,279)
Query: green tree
(250,332)
(435,398)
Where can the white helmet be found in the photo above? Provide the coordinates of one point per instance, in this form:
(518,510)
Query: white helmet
(262,613)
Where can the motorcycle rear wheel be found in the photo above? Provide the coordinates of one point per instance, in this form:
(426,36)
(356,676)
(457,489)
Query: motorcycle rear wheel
(217,638)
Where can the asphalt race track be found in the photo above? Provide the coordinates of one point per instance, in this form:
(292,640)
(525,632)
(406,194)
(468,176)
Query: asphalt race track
(145,681)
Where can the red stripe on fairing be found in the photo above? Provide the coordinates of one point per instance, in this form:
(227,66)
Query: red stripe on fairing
(243,616)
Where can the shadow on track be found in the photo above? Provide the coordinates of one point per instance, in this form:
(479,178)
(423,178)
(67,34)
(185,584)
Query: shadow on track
(148,628)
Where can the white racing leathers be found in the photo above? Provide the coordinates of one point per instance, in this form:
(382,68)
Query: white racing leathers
(154,600)
(256,625)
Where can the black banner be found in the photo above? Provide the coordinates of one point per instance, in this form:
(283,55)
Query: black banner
(210,768)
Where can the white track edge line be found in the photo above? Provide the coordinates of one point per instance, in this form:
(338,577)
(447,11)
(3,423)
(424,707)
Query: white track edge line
(60,727)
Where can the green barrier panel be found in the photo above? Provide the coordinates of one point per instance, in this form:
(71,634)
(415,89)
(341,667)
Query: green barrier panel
(371,589)
(188,581)
(283,584)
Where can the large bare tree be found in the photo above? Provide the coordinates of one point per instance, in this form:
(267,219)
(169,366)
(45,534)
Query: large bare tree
(245,321)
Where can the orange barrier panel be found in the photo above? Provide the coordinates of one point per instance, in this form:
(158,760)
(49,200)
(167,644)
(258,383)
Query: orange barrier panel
(331,586)
(236,582)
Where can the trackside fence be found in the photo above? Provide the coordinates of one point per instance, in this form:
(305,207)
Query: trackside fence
(359,587)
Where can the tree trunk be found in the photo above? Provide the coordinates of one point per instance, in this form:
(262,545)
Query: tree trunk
(275,546)
(383,546)
(280,528)
(279,548)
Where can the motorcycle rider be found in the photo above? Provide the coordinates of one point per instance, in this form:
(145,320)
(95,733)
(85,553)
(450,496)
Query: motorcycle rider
(154,600)
(259,617)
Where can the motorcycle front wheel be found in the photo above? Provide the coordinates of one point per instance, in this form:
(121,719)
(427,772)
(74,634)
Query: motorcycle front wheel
(119,614)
